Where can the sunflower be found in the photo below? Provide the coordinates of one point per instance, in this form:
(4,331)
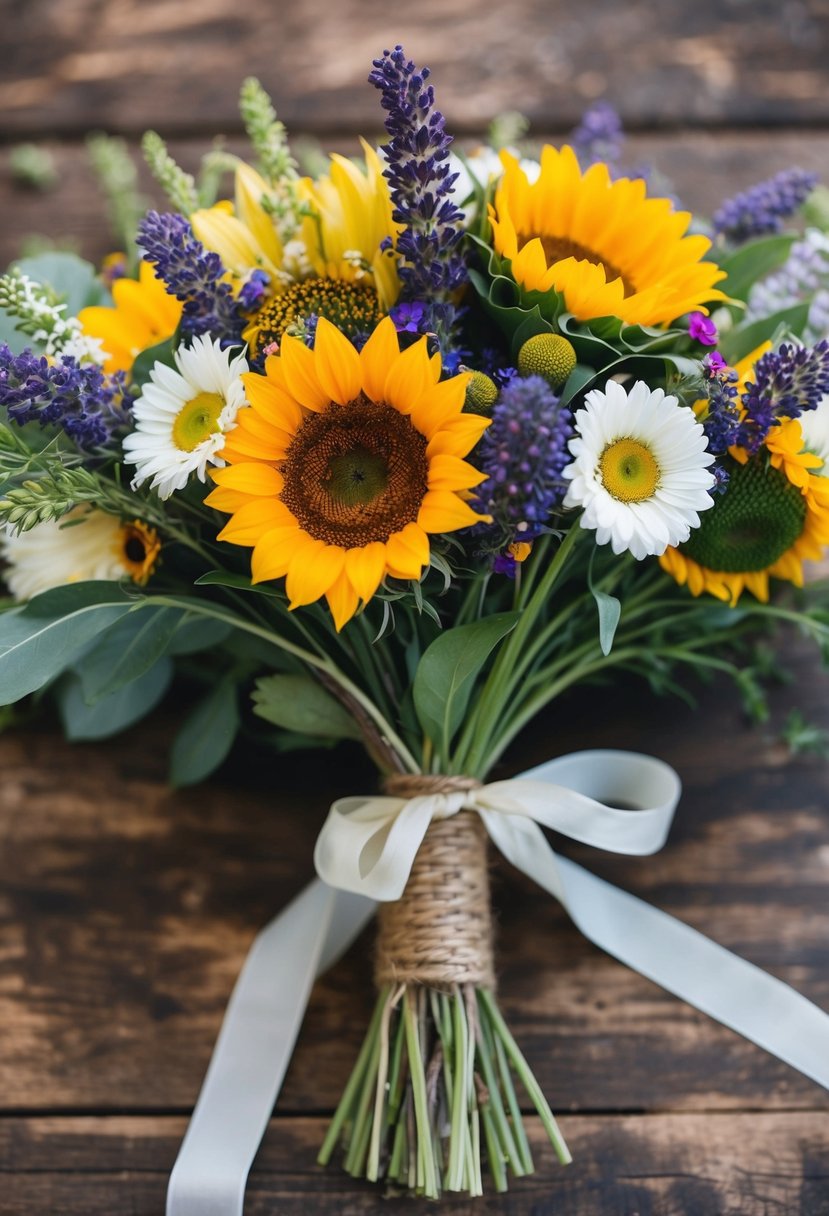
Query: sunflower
(605,247)
(143,315)
(84,544)
(349,234)
(773,516)
(243,234)
(344,464)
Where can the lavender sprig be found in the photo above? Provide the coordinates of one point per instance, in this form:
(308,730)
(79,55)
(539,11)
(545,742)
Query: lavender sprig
(599,136)
(192,274)
(788,382)
(91,407)
(762,208)
(523,453)
(421,190)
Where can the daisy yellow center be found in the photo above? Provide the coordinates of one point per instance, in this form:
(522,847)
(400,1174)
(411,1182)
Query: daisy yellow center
(757,519)
(628,470)
(558,248)
(197,420)
(355,474)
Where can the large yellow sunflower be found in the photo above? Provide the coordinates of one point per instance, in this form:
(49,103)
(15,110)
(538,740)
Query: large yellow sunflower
(344,464)
(143,315)
(606,247)
(350,232)
(773,516)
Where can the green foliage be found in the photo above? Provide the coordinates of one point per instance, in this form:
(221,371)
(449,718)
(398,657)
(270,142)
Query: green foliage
(447,672)
(803,737)
(180,187)
(73,280)
(118,178)
(266,133)
(47,635)
(127,650)
(299,704)
(752,262)
(108,715)
(736,343)
(33,167)
(206,736)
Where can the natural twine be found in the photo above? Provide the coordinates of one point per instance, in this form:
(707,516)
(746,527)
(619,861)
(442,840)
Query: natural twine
(440,932)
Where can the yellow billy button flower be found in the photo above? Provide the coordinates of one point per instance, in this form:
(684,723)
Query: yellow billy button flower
(606,247)
(344,464)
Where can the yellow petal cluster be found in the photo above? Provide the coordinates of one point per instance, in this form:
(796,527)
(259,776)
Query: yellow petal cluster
(143,315)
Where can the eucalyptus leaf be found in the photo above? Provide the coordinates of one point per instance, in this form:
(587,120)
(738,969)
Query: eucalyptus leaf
(752,262)
(206,736)
(196,633)
(72,278)
(298,703)
(127,650)
(42,639)
(113,713)
(736,343)
(610,610)
(447,671)
(240,582)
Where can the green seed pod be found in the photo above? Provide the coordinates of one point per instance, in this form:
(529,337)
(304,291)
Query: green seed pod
(481,394)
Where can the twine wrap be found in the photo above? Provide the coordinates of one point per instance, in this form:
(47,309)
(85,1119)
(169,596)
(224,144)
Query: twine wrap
(440,932)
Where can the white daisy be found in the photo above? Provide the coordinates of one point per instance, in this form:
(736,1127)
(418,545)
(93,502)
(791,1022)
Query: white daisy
(640,469)
(83,545)
(814,425)
(182,417)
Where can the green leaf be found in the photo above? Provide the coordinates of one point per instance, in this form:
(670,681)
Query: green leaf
(299,704)
(42,639)
(162,352)
(447,671)
(74,279)
(127,650)
(240,582)
(115,712)
(741,341)
(195,633)
(577,381)
(206,737)
(752,262)
(609,612)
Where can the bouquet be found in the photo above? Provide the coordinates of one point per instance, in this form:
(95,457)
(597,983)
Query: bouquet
(398,451)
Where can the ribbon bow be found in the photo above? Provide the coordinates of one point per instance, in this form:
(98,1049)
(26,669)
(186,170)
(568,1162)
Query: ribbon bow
(366,849)
(368,845)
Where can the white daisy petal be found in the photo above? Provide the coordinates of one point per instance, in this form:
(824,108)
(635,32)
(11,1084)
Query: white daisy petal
(183,415)
(640,469)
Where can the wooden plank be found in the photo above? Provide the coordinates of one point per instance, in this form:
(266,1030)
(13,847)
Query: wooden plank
(703,167)
(126,910)
(79,63)
(674,1165)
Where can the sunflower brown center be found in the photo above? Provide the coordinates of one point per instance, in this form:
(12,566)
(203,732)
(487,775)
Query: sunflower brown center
(355,474)
(557,248)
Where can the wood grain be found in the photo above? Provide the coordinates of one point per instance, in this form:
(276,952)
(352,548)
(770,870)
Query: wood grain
(131,63)
(667,1165)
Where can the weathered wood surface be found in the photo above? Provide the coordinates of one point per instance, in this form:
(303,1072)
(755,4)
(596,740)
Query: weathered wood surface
(166,63)
(667,1165)
(126,911)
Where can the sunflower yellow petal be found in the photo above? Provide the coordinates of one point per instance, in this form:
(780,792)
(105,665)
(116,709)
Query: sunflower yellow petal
(275,550)
(452,473)
(251,522)
(407,552)
(441,511)
(314,569)
(259,480)
(342,600)
(299,368)
(337,363)
(408,378)
(365,568)
(377,356)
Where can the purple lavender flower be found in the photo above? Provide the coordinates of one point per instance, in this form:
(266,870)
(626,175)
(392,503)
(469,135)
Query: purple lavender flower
(408,316)
(722,419)
(787,382)
(523,453)
(599,136)
(192,274)
(252,293)
(90,407)
(504,563)
(421,186)
(804,278)
(763,207)
(702,329)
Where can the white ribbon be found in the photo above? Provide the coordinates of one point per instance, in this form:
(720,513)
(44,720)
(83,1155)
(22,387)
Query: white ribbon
(367,846)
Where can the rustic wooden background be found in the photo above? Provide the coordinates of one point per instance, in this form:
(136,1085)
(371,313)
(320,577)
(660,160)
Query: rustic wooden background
(126,909)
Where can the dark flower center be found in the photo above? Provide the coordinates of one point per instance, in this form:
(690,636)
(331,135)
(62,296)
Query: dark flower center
(355,474)
(352,307)
(757,519)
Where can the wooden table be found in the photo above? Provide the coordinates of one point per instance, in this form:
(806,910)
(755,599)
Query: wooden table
(126,909)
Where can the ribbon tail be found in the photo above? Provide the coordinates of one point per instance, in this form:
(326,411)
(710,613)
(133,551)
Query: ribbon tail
(254,1048)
